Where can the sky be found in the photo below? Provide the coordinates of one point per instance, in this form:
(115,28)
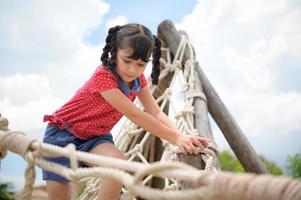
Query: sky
(249,50)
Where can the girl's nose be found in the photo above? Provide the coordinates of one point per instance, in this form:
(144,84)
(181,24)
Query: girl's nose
(132,69)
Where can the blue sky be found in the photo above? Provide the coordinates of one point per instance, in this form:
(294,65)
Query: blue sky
(249,49)
(150,12)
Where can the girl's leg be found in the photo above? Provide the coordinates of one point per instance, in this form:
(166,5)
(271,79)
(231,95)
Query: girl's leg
(57,190)
(110,189)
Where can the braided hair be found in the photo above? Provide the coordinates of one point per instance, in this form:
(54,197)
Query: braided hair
(139,39)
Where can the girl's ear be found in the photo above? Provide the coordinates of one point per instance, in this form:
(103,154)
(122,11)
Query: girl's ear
(156,61)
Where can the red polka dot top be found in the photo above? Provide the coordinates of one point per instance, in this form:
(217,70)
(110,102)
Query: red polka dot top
(87,113)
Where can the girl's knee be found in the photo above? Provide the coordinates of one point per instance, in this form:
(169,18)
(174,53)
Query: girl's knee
(121,156)
(57,190)
(109,150)
(118,154)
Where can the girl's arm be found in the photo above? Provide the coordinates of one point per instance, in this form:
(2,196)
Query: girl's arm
(148,122)
(150,105)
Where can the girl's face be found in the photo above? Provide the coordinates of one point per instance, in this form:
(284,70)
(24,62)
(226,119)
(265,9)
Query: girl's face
(127,68)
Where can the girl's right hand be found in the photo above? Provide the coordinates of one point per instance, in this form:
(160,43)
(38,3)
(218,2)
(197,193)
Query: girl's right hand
(192,144)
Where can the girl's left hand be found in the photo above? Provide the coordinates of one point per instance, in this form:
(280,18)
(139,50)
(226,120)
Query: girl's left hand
(192,144)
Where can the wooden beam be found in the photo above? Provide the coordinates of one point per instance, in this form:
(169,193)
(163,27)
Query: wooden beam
(229,127)
(237,140)
(170,35)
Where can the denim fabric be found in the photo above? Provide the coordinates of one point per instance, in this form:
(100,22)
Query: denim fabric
(125,88)
(62,137)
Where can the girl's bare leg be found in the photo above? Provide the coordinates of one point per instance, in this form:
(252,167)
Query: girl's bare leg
(110,189)
(57,191)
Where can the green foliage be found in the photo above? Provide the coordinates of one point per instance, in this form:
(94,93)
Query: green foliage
(4,195)
(271,166)
(229,162)
(293,164)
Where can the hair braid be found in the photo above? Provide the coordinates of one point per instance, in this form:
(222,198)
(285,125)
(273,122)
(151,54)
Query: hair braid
(110,47)
(156,61)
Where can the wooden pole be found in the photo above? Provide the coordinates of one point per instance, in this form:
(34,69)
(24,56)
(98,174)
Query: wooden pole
(201,120)
(170,35)
(235,137)
(232,132)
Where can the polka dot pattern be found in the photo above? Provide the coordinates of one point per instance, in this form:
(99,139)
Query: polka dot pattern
(87,113)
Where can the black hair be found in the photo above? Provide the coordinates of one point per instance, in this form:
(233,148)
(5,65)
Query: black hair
(141,42)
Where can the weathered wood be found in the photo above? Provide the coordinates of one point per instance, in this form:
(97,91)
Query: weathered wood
(201,112)
(238,142)
(229,127)
(201,120)
(172,38)
(202,124)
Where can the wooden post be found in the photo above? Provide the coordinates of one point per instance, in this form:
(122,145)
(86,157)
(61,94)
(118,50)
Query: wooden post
(232,132)
(238,142)
(170,35)
(201,120)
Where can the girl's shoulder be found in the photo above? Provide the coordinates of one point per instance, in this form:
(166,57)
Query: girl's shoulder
(102,79)
(103,71)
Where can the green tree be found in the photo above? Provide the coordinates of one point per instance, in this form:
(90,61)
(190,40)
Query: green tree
(293,165)
(271,166)
(4,193)
(229,162)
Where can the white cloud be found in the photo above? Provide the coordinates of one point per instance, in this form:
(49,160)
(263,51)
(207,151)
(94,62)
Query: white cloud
(23,88)
(66,76)
(243,47)
(44,59)
(52,38)
(239,48)
(37,33)
(57,60)
(66,60)
(253,11)
(28,117)
(119,20)
(265,113)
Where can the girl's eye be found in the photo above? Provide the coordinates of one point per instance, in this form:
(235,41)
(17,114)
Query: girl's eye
(126,61)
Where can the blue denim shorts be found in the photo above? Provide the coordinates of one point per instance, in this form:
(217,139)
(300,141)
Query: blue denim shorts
(62,137)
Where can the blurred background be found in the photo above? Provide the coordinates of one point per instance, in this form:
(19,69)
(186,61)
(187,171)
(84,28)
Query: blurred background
(249,49)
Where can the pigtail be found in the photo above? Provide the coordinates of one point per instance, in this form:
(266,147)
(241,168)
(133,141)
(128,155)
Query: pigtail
(156,61)
(110,47)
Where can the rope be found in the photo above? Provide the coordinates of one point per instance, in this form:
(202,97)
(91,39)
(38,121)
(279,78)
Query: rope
(208,183)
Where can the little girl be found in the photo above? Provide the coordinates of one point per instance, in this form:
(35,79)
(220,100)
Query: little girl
(88,117)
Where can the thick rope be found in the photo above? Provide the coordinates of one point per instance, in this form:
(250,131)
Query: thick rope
(209,183)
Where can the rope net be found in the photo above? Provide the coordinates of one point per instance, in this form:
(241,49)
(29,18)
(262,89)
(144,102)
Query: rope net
(138,172)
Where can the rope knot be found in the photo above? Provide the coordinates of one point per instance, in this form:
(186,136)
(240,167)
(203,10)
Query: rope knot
(185,87)
(72,176)
(138,148)
(171,67)
(3,153)
(168,92)
(90,188)
(189,62)
(178,64)
(12,140)
(188,110)
(3,124)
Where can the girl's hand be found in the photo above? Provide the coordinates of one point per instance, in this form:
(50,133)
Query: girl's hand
(192,144)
